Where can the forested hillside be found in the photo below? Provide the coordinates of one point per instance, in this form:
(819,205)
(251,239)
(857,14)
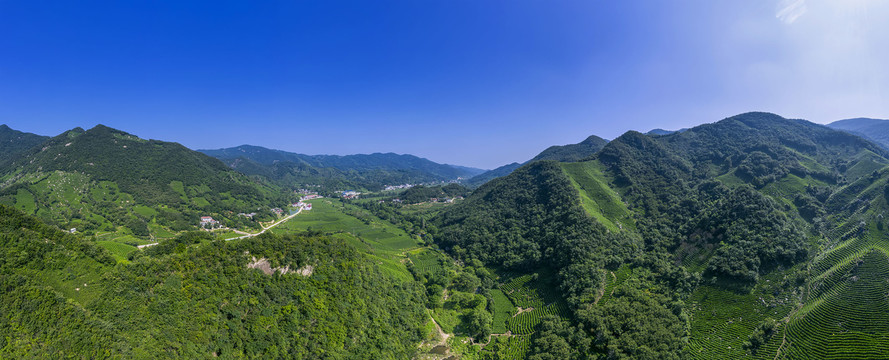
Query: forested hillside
(104,179)
(314,297)
(13,143)
(573,152)
(746,237)
(362,171)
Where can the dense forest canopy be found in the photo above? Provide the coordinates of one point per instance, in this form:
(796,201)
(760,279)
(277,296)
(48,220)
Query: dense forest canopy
(718,207)
(64,296)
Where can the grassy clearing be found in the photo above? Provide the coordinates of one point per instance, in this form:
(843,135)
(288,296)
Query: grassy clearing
(729,179)
(123,238)
(378,238)
(503,311)
(145,211)
(25,202)
(599,200)
(118,250)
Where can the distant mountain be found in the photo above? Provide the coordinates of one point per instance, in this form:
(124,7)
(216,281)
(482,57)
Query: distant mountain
(560,153)
(489,175)
(371,171)
(664,132)
(875,130)
(471,171)
(13,142)
(106,179)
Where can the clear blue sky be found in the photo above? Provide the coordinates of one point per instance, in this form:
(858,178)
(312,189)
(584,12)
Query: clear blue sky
(469,82)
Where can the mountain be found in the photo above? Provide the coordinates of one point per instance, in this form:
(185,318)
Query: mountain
(13,143)
(561,153)
(371,171)
(104,179)
(489,175)
(664,132)
(755,236)
(875,130)
(469,171)
(572,152)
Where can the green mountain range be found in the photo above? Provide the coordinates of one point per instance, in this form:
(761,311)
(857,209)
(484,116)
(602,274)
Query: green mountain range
(756,236)
(875,130)
(362,171)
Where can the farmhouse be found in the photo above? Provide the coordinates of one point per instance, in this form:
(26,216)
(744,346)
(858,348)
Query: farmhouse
(207,220)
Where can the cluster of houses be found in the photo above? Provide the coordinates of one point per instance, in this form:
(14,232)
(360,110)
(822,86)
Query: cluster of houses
(397,187)
(208,222)
(350,194)
(302,205)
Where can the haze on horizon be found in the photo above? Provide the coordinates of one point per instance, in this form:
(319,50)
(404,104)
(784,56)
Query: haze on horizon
(462,82)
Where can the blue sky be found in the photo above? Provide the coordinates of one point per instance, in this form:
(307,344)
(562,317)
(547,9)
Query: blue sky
(469,82)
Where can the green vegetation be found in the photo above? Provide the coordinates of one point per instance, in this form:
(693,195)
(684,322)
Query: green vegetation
(104,180)
(118,250)
(574,152)
(331,172)
(753,237)
(597,198)
(13,143)
(419,194)
(666,262)
(64,296)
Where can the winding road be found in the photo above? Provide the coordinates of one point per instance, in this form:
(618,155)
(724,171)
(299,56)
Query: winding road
(247,235)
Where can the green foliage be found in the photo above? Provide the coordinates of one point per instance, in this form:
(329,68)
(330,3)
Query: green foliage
(13,143)
(418,194)
(103,179)
(573,152)
(201,301)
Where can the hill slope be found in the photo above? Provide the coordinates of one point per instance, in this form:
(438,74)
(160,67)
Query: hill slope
(190,298)
(777,217)
(105,179)
(13,143)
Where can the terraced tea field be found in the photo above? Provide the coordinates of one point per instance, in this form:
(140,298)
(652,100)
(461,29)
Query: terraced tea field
(846,315)
(519,304)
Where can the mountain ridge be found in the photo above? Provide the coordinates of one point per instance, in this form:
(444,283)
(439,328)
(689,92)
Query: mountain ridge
(360,170)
